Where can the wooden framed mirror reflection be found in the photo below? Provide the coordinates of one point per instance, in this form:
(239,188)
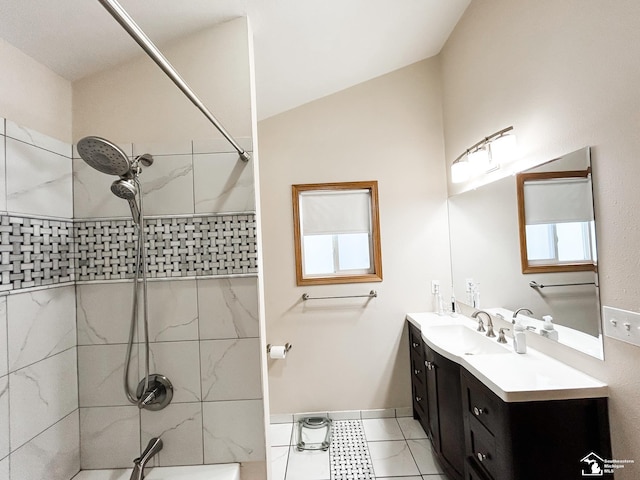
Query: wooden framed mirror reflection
(556,221)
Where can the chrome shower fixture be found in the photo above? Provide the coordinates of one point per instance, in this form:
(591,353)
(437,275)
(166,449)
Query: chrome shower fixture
(104,156)
(126,189)
(154,391)
(107,157)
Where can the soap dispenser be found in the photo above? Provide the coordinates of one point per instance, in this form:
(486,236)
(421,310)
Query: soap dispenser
(547,329)
(519,338)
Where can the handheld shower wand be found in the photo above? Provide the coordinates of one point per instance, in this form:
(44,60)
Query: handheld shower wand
(154,391)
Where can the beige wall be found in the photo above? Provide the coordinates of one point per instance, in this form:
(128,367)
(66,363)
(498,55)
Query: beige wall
(32,95)
(565,75)
(136,101)
(350,354)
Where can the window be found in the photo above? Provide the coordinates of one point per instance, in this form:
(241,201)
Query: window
(336,231)
(557,227)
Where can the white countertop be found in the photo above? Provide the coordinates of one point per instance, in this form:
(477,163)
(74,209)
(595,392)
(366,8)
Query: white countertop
(513,377)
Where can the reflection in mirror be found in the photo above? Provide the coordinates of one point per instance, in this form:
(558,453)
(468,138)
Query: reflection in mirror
(336,231)
(485,250)
(556,221)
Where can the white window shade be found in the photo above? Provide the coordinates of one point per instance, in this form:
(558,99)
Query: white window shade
(558,201)
(327,212)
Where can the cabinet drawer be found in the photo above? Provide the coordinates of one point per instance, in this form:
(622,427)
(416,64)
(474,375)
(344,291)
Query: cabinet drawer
(418,368)
(482,404)
(415,340)
(483,448)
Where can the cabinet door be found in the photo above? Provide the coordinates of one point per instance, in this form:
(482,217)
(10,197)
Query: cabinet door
(432,398)
(450,417)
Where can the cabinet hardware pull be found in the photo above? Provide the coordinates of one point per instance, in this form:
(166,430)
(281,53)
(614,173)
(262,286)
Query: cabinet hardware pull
(417,372)
(481,456)
(478,411)
(418,399)
(415,345)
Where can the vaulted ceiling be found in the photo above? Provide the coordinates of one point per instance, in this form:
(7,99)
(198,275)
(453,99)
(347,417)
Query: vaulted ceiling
(304,49)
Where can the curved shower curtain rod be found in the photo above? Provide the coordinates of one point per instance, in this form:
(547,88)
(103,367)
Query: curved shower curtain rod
(123,18)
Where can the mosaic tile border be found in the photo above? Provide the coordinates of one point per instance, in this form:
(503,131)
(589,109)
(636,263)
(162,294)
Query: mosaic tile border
(348,452)
(36,252)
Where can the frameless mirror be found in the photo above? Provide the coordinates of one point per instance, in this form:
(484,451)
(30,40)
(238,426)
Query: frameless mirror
(486,249)
(337,233)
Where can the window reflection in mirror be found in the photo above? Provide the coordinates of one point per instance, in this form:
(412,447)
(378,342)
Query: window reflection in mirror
(336,231)
(485,247)
(556,221)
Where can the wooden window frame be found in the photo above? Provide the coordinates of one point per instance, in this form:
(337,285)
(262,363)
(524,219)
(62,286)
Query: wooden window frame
(375,252)
(521,178)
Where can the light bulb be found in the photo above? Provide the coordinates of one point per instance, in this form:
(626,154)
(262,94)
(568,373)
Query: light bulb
(479,160)
(460,172)
(503,148)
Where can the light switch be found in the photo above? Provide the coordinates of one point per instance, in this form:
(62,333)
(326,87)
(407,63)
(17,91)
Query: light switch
(622,325)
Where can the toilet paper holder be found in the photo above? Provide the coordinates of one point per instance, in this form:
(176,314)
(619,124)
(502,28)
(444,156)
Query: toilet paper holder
(287,347)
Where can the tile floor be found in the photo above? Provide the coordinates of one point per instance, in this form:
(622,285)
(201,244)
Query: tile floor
(366,449)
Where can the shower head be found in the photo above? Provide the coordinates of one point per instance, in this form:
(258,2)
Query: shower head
(126,188)
(104,156)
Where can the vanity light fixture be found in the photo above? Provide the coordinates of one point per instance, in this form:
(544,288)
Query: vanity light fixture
(485,156)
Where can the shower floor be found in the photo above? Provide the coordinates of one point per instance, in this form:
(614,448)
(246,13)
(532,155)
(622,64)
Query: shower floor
(368,449)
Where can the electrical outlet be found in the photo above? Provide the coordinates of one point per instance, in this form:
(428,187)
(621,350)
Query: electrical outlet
(622,325)
(435,286)
(468,285)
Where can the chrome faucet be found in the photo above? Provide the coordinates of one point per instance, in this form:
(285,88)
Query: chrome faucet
(515,314)
(490,332)
(154,446)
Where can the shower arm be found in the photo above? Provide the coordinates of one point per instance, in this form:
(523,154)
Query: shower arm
(123,18)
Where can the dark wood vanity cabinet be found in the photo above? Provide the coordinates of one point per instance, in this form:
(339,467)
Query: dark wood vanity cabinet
(437,403)
(530,440)
(478,436)
(418,375)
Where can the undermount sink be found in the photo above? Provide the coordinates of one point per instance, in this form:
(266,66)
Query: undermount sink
(462,340)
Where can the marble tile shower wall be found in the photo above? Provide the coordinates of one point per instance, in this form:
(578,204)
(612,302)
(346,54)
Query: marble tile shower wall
(39,415)
(203,328)
(63,339)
